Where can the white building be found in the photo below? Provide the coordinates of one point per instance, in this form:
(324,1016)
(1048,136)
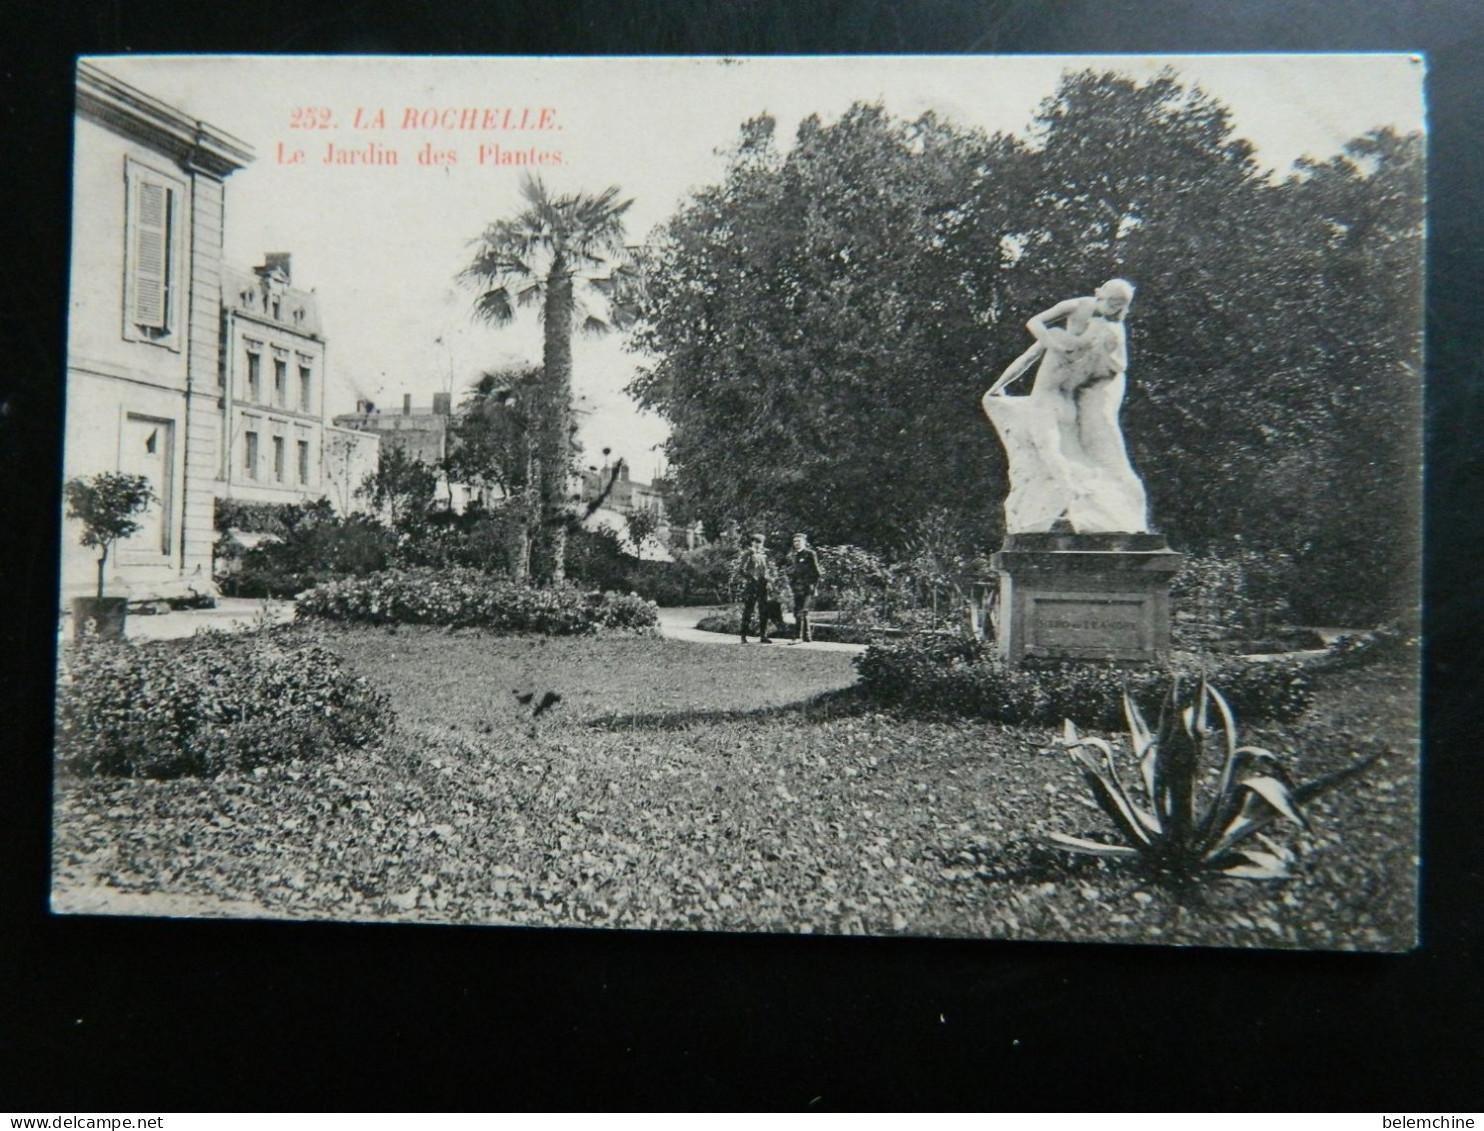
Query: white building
(144,328)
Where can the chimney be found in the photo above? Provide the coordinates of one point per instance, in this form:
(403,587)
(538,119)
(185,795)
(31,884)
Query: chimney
(406,404)
(442,404)
(278,260)
(364,407)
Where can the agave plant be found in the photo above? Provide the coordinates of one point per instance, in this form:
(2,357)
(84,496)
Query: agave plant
(1178,826)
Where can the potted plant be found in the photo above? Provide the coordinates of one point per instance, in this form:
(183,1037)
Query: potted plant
(107,505)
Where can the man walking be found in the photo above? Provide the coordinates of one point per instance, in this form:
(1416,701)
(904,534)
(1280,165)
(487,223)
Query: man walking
(803,578)
(755,572)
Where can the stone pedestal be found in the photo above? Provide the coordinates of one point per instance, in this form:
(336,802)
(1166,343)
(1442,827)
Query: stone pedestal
(1084,596)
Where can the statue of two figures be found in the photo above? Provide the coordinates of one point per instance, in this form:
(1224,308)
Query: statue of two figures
(1069,470)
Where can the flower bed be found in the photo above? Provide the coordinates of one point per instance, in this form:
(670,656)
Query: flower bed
(961,675)
(211,703)
(466,598)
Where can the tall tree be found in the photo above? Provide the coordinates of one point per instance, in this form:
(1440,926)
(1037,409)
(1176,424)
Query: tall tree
(1275,380)
(565,256)
(819,327)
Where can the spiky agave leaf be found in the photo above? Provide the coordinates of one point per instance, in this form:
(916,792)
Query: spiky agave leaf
(1148,820)
(1178,753)
(1260,807)
(1146,752)
(1092,847)
(1258,866)
(1115,804)
(1277,794)
(1278,850)
(1222,800)
(1229,798)
(1257,813)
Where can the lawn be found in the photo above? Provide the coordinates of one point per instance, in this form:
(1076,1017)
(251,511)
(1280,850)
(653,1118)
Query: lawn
(716,787)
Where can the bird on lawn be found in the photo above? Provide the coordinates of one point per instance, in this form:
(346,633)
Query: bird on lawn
(546,703)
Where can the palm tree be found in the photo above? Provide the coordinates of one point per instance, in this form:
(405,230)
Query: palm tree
(564,255)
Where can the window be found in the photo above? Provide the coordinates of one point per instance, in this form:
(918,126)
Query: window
(280,382)
(304,462)
(306,390)
(278,454)
(250,455)
(152,259)
(255,377)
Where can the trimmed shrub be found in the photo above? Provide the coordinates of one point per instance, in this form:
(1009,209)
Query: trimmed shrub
(1230,593)
(208,704)
(466,598)
(962,675)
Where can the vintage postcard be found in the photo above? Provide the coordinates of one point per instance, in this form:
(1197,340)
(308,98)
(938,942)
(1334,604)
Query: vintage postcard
(962,496)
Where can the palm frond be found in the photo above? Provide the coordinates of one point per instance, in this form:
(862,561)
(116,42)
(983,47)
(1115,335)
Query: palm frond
(494,306)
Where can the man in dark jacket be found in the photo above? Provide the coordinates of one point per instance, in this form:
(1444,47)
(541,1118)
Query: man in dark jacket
(754,572)
(803,578)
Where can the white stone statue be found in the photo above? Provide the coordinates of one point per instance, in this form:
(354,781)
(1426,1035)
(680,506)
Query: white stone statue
(1068,464)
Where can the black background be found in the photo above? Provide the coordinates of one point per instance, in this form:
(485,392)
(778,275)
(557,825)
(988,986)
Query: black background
(120,1014)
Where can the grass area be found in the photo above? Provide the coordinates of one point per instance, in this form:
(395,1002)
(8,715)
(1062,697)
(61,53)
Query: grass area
(681,785)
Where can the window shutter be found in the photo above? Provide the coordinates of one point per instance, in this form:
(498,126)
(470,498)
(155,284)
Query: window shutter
(151,255)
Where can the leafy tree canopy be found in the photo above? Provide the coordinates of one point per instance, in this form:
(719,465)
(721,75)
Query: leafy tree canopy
(822,324)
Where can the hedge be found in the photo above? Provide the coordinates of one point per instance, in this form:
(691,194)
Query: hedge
(962,676)
(466,598)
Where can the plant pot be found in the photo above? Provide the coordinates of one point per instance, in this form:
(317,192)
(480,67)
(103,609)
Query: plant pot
(99,616)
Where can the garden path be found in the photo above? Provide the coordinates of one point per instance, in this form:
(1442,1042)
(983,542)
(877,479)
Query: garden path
(680,624)
(232,614)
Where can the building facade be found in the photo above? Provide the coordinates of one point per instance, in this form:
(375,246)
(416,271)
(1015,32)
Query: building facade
(144,328)
(418,433)
(273,387)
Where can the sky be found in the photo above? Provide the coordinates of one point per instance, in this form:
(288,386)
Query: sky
(381,245)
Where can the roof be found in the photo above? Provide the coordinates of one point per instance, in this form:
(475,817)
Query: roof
(129,110)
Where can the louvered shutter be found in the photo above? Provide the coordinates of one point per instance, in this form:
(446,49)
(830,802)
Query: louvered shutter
(151,255)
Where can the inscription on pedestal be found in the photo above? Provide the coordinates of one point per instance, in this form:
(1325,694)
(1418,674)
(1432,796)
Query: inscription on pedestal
(1086,626)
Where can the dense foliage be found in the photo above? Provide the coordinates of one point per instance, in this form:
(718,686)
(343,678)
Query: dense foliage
(310,543)
(836,309)
(962,675)
(208,704)
(257,518)
(465,598)
(596,559)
